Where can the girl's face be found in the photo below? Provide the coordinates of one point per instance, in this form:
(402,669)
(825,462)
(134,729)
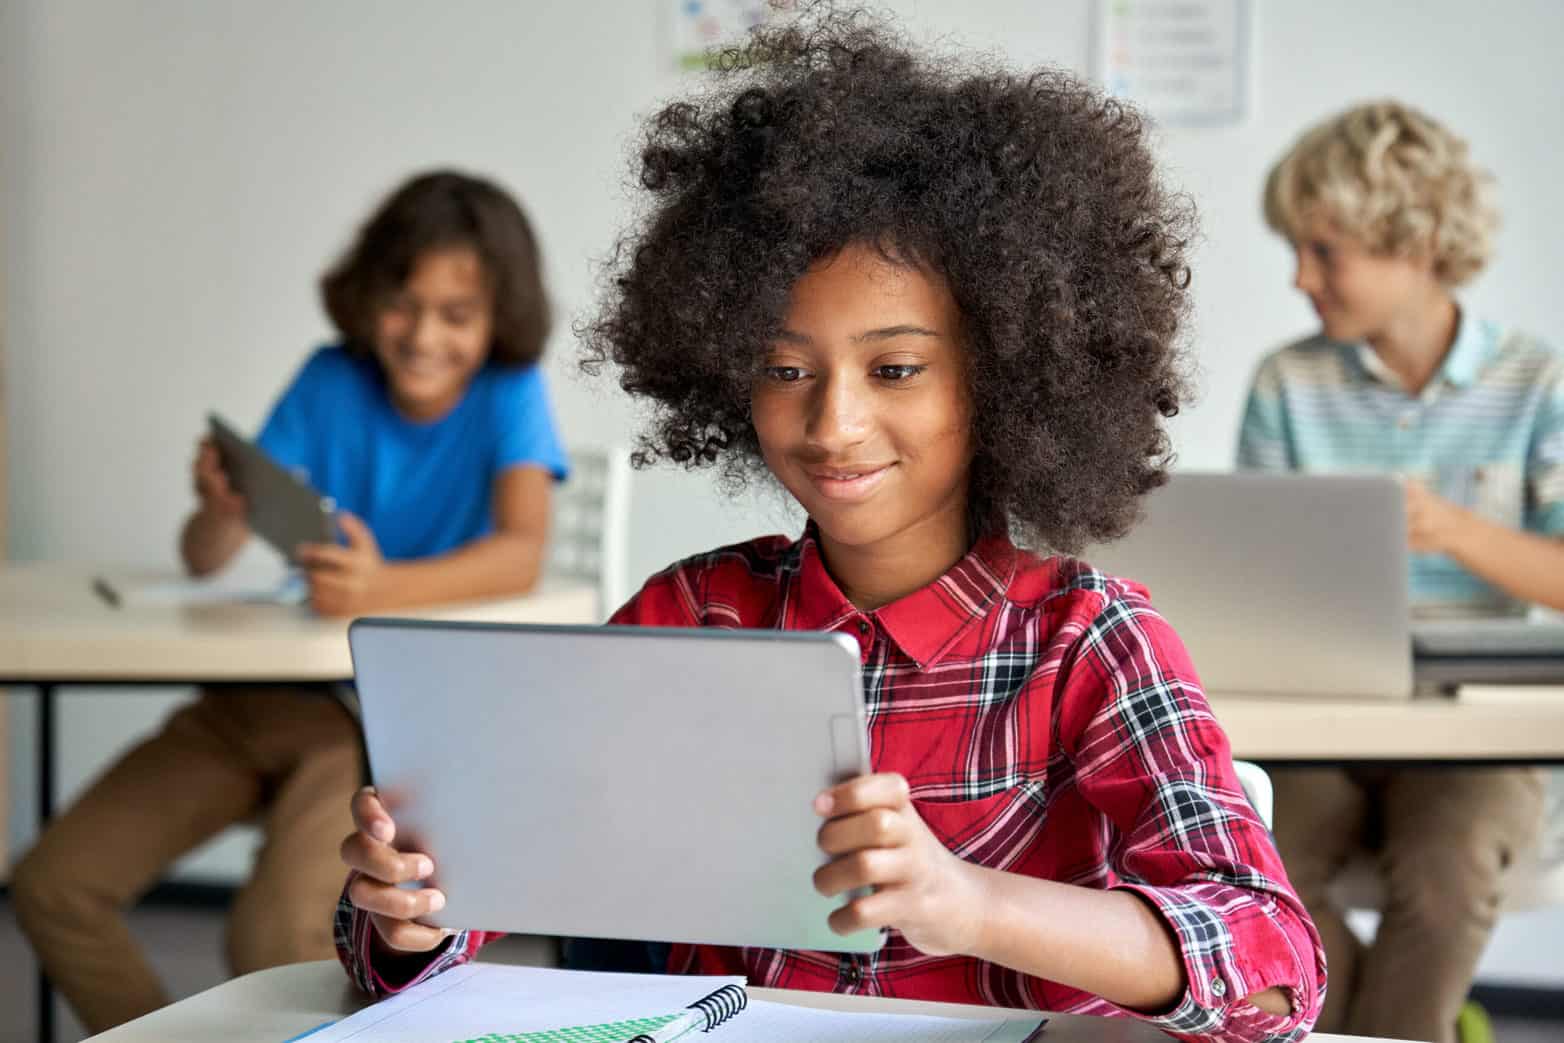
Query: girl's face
(1357,294)
(862,408)
(433,335)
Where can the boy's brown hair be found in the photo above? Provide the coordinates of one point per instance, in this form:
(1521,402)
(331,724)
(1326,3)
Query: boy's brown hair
(435,211)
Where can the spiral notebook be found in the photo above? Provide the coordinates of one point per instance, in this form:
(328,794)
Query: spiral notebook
(491,1003)
(704,1015)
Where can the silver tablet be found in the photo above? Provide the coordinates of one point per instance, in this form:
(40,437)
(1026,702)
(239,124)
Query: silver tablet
(616,782)
(283,510)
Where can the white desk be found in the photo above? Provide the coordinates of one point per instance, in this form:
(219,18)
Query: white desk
(277,1004)
(1519,725)
(54,631)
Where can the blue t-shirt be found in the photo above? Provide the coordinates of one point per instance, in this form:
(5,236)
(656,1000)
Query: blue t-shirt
(422,488)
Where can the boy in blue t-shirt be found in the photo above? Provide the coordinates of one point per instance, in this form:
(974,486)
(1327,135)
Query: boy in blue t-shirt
(429,425)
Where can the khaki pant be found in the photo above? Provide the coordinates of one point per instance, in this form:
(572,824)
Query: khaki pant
(291,755)
(1442,838)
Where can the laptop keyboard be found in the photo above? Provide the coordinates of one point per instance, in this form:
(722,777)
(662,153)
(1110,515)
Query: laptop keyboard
(1487,638)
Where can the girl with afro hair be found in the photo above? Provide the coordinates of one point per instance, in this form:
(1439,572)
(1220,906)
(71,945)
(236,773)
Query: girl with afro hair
(938,302)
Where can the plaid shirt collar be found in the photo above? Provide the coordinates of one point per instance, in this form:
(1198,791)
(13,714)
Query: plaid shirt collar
(926,624)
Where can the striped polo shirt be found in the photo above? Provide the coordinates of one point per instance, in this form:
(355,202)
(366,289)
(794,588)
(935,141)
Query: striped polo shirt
(1487,432)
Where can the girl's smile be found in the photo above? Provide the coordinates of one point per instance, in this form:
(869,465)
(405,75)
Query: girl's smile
(849,483)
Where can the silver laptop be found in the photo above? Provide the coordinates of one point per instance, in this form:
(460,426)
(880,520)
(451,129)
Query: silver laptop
(1504,650)
(616,782)
(1278,583)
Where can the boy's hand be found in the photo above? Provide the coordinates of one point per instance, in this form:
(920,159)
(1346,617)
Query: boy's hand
(344,581)
(1433,523)
(879,841)
(381,868)
(212,486)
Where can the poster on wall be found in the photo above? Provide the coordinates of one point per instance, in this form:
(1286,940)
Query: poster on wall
(697,27)
(1182,62)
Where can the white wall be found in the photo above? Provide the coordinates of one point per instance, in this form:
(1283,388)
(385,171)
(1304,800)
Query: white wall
(175,173)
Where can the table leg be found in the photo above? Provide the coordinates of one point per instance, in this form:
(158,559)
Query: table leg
(45,812)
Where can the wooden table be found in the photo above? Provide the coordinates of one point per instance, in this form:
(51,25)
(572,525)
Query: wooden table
(56,630)
(281,1003)
(1487,724)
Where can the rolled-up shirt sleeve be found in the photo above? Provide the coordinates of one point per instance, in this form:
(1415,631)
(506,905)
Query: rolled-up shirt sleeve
(379,973)
(1150,756)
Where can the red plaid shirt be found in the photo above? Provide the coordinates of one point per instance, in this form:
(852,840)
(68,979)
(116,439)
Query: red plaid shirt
(1049,723)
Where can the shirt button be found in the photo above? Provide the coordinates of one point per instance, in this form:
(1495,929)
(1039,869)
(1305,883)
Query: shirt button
(863,626)
(1218,987)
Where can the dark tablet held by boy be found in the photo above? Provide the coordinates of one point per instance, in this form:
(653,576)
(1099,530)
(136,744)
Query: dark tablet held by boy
(280,507)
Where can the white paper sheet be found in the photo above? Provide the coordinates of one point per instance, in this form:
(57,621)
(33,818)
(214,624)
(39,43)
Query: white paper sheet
(286,590)
(766,1022)
(1186,62)
(477,999)
(480,999)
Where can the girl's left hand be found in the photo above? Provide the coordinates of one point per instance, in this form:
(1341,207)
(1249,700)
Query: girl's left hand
(344,581)
(878,840)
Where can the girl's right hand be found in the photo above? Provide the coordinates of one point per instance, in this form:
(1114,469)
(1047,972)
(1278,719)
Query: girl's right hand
(381,868)
(212,486)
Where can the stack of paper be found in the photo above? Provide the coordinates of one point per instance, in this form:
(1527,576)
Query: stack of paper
(491,1003)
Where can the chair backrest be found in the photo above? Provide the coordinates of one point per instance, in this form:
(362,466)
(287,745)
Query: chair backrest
(1543,884)
(591,524)
(1257,787)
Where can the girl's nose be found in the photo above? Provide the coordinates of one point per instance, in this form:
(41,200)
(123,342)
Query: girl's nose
(839,414)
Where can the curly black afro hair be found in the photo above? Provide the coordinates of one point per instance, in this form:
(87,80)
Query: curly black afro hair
(1034,196)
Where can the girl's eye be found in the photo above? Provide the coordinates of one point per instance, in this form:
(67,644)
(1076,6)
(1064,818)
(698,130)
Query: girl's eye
(897,373)
(458,318)
(784,374)
(1321,251)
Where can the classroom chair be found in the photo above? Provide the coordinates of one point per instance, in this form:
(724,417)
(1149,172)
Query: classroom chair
(590,533)
(1257,787)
